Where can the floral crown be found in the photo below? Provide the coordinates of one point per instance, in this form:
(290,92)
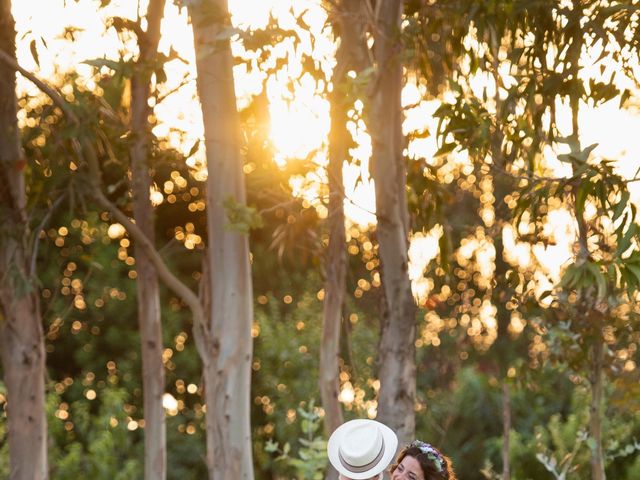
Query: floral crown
(432,454)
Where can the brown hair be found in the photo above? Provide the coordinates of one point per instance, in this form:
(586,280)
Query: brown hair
(429,466)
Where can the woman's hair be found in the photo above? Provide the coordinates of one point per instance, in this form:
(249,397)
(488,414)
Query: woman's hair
(435,465)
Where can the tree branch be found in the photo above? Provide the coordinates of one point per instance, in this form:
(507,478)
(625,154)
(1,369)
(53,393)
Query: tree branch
(36,240)
(206,344)
(60,102)
(175,284)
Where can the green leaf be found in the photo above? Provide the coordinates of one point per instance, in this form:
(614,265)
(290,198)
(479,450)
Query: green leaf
(104,62)
(621,205)
(611,272)
(271,446)
(635,270)
(583,155)
(600,279)
(34,52)
(581,197)
(628,280)
(570,277)
(446,148)
(625,243)
(194,149)
(240,217)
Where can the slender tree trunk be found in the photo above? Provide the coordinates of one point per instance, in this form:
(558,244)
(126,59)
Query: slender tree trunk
(506,428)
(335,260)
(503,348)
(21,335)
(228,376)
(155,449)
(397,343)
(206,345)
(596,375)
(595,409)
(335,285)
(346,22)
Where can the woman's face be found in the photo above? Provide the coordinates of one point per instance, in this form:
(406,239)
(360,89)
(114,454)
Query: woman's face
(409,469)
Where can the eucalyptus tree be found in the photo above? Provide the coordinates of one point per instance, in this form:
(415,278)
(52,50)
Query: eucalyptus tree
(605,277)
(535,57)
(348,24)
(223,311)
(397,370)
(21,334)
(454,44)
(147,280)
(229,301)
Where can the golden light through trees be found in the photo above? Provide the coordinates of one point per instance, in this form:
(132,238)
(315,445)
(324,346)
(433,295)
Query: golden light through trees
(299,117)
(57,36)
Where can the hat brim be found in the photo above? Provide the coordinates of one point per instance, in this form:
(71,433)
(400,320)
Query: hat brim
(390,448)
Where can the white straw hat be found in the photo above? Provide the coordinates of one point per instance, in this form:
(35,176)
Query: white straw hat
(361,449)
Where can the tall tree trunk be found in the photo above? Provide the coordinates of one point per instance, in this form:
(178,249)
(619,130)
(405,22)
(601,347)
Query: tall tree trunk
(335,260)
(595,409)
(155,450)
(21,335)
(397,343)
(228,376)
(348,24)
(335,278)
(335,269)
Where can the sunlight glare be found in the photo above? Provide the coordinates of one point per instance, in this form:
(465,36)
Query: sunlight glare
(423,248)
(300,127)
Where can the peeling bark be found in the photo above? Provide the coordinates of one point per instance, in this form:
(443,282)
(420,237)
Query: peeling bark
(228,375)
(21,334)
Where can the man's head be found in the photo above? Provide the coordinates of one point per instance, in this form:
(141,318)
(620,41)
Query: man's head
(361,449)
(377,477)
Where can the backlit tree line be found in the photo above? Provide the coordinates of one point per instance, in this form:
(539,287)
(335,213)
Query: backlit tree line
(505,76)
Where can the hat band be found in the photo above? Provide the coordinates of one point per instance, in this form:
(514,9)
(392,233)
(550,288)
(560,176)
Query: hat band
(362,468)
